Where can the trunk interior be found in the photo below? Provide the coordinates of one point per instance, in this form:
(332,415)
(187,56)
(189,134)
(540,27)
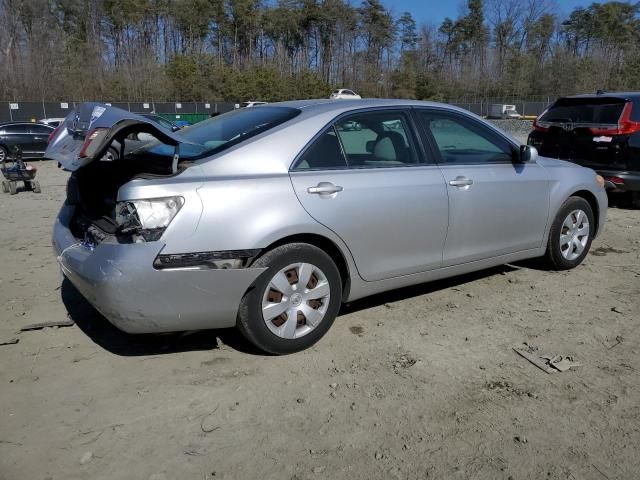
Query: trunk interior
(93,190)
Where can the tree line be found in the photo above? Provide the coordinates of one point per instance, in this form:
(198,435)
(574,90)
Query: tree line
(195,50)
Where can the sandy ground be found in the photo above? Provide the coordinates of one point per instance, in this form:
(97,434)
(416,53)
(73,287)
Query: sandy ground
(419,383)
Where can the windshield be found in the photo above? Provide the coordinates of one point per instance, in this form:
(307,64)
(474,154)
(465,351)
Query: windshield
(222,132)
(585,110)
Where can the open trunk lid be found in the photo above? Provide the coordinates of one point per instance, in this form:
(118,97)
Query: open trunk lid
(591,131)
(88,131)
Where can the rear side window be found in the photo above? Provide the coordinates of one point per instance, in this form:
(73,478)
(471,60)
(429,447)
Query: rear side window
(16,128)
(585,110)
(377,139)
(323,154)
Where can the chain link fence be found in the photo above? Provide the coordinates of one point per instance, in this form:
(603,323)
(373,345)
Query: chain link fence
(197,111)
(531,106)
(190,111)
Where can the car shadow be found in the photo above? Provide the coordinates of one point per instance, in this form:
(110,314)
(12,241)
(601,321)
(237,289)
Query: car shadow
(108,337)
(422,289)
(115,341)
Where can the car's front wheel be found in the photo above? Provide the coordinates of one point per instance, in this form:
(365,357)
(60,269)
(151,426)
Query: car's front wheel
(294,302)
(571,234)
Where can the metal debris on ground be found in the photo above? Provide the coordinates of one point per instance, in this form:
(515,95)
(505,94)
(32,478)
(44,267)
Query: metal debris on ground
(40,326)
(547,363)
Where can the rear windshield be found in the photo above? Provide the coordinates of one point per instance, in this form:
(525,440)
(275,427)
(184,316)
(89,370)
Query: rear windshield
(224,131)
(585,110)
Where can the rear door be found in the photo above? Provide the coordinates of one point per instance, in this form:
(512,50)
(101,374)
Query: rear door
(496,206)
(39,136)
(366,178)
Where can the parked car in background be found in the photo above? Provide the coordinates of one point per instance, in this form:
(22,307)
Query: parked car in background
(251,104)
(344,94)
(31,138)
(600,131)
(270,218)
(53,122)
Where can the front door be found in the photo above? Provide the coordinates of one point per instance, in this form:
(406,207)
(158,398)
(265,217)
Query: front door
(366,179)
(496,206)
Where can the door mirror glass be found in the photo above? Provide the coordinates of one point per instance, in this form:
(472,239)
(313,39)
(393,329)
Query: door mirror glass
(528,154)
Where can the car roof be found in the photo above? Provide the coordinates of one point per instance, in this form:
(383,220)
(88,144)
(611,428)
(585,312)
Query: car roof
(321,105)
(634,96)
(4,124)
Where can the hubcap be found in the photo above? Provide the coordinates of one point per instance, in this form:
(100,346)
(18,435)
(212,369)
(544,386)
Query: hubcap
(296,300)
(2,155)
(574,234)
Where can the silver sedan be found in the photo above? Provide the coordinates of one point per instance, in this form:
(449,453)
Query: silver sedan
(270,218)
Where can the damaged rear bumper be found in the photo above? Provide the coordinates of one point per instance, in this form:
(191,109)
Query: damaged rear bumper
(119,280)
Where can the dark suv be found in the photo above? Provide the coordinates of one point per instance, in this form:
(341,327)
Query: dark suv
(30,137)
(600,131)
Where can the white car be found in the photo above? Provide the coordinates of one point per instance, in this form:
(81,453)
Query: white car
(53,122)
(251,104)
(344,94)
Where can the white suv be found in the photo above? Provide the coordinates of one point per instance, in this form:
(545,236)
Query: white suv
(344,93)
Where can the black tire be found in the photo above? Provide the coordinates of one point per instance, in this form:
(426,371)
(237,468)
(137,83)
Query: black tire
(13,188)
(111,155)
(554,255)
(35,186)
(250,318)
(5,186)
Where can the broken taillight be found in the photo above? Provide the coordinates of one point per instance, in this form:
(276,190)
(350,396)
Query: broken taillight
(87,150)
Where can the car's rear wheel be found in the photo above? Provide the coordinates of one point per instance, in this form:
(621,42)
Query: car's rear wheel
(294,302)
(4,153)
(571,234)
(110,155)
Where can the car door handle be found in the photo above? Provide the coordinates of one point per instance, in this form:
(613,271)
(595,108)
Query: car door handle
(324,188)
(461,182)
(37,138)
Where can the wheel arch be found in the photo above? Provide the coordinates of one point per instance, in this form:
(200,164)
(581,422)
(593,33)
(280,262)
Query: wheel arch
(326,245)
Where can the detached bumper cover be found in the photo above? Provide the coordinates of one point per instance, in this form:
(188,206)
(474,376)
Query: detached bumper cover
(120,282)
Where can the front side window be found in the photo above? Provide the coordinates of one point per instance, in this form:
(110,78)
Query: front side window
(377,139)
(462,140)
(41,129)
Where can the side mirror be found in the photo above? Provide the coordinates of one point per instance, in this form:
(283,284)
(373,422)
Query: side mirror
(527,154)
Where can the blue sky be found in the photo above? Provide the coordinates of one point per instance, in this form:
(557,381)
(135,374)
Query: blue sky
(434,11)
